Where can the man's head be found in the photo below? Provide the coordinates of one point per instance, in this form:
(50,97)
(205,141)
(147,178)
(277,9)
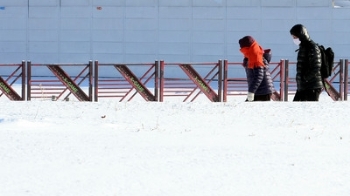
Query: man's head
(299,31)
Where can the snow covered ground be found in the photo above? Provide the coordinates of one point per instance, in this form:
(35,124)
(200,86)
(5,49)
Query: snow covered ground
(139,148)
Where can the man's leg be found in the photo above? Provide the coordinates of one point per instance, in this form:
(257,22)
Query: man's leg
(314,94)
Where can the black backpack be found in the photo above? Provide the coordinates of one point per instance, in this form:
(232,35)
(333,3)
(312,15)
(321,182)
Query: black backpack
(327,56)
(267,55)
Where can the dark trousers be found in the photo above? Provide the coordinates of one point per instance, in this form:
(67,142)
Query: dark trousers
(262,97)
(307,95)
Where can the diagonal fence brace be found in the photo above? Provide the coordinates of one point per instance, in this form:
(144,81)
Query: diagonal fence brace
(135,82)
(8,91)
(69,83)
(201,84)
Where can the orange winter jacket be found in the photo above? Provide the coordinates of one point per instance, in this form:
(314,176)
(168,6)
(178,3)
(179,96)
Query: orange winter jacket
(254,54)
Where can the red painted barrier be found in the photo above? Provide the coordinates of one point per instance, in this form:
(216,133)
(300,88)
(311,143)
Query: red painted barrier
(191,80)
(125,81)
(59,83)
(9,75)
(158,81)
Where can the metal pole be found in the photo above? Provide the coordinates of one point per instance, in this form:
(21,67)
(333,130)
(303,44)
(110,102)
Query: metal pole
(23,80)
(161,81)
(90,79)
(225,81)
(156,81)
(341,79)
(29,76)
(286,79)
(346,79)
(96,81)
(281,71)
(220,81)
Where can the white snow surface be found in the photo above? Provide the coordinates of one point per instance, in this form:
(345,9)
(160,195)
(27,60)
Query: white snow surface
(173,148)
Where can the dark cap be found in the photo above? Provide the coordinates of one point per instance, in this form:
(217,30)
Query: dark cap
(246,41)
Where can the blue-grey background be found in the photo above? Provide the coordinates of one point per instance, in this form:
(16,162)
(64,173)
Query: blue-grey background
(127,31)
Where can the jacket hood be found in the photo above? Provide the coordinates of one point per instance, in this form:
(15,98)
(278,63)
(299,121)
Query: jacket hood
(300,31)
(246,41)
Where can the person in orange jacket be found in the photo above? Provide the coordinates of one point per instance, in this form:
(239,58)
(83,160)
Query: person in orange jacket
(255,62)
